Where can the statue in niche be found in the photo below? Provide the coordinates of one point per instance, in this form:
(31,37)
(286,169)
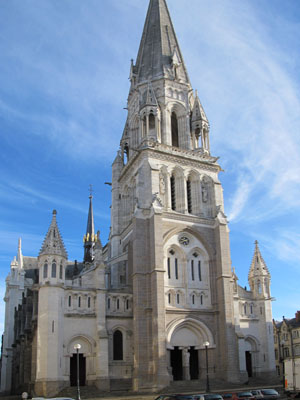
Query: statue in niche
(162,184)
(204,193)
(185,357)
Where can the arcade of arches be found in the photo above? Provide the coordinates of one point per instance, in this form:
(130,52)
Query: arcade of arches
(186,350)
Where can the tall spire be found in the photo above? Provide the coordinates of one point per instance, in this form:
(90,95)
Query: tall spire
(90,223)
(159,53)
(89,238)
(53,243)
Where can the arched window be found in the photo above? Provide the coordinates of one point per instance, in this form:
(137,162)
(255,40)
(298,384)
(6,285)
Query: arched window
(118,304)
(60,271)
(176,268)
(189,195)
(79,302)
(45,272)
(192,271)
(117,345)
(199,271)
(53,270)
(151,122)
(197,135)
(174,128)
(201,299)
(169,298)
(173,193)
(178,298)
(126,153)
(193,299)
(89,302)
(144,126)
(169,268)
(70,301)
(259,287)
(108,303)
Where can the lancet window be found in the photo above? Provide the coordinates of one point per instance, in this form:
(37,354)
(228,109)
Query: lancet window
(189,195)
(45,271)
(174,130)
(151,122)
(53,270)
(173,193)
(118,345)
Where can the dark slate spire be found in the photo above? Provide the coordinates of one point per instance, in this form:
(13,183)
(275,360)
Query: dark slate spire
(159,53)
(53,243)
(90,223)
(89,238)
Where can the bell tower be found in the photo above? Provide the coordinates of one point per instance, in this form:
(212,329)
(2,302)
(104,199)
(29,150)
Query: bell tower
(168,219)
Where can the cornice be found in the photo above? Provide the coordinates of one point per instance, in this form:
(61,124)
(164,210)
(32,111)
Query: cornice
(171,154)
(188,218)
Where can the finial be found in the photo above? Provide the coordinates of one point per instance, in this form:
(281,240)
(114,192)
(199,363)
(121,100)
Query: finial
(256,243)
(19,243)
(91,191)
(196,92)
(54,212)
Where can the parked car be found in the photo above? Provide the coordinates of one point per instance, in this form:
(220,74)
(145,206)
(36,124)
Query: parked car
(208,396)
(257,394)
(238,396)
(270,393)
(175,397)
(245,395)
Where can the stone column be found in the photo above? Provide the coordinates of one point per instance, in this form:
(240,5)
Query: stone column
(186,363)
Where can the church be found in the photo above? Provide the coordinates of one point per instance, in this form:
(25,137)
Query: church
(145,309)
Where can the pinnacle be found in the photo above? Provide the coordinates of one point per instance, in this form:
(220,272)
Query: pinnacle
(258,266)
(53,243)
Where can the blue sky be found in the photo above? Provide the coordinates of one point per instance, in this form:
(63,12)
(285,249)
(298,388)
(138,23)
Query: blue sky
(63,88)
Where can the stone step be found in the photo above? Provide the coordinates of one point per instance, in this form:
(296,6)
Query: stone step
(86,392)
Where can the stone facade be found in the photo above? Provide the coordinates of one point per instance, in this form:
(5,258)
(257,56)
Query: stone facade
(286,341)
(143,306)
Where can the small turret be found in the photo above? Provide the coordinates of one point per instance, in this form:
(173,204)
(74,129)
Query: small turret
(200,127)
(53,255)
(259,276)
(149,114)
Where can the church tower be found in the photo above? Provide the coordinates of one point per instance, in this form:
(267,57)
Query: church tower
(52,262)
(168,220)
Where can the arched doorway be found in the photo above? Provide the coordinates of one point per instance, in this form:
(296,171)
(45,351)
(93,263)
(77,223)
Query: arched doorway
(186,340)
(250,355)
(85,356)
